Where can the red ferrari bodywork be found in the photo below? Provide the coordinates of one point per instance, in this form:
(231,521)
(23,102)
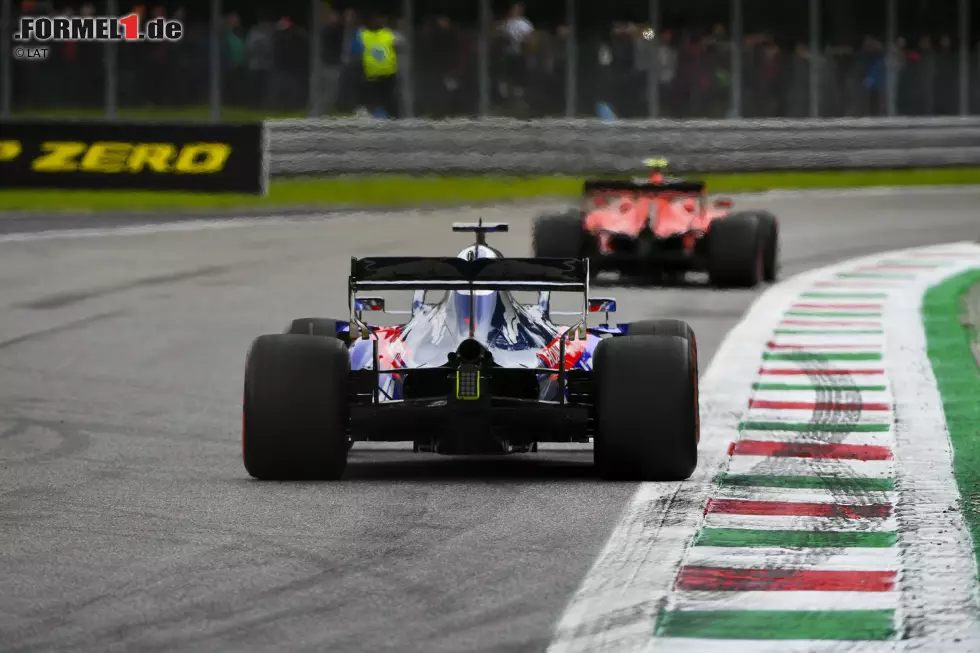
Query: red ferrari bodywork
(668,214)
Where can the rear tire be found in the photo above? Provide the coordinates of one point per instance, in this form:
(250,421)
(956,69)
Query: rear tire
(678,328)
(666,327)
(559,236)
(736,251)
(638,439)
(295,408)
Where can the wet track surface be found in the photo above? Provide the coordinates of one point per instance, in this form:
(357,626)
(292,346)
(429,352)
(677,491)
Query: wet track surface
(127,521)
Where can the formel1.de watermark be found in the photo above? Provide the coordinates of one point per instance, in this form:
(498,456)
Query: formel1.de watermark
(99,29)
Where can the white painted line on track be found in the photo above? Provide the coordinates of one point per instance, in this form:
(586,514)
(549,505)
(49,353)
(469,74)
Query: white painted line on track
(821,395)
(792,523)
(841,559)
(874,342)
(767,600)
(804,495)
(801,416)
(808,365)
(143,230)
(787,466)
(870,191)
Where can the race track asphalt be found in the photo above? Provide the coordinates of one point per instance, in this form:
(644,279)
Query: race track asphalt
(127,522)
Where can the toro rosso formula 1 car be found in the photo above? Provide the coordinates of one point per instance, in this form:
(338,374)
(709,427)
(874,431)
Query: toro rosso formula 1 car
(473,370)
(663,225)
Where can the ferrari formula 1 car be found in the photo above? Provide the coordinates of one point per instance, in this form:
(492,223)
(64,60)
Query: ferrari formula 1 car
(473,371)
(662,225)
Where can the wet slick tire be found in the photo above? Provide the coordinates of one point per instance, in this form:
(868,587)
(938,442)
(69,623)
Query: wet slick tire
(646,408)
(295,408)
(558,236)
(736,251)
(316,326)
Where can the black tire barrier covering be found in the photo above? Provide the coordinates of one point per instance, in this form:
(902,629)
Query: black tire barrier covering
(577,147)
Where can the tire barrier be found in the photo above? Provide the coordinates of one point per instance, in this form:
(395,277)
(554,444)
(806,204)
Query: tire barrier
(577,147)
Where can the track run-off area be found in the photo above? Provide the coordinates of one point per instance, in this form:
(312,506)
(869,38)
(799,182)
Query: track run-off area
(823,515)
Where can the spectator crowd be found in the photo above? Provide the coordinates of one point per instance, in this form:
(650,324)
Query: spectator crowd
(266,66)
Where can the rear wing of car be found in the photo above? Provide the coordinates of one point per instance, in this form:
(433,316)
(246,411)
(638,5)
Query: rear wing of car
(451,273)
(669,186)
(438,273)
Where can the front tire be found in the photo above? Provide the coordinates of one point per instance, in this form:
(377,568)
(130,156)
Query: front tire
(296,412)
(646,408)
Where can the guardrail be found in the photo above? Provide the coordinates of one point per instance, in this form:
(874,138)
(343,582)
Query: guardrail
(576,147)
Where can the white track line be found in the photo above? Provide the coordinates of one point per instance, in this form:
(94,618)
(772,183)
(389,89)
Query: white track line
(780,466)
(840,559)
(767,600)
(808,524)
(802,495)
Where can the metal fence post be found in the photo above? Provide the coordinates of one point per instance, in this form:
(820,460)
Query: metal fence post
(313,107)
(891,62)
(110,55)
(964,23)
(6,58)
(215,61)
(735,90)
(406,67)
(653,65)
(817,64)
(571,60)
(483,58)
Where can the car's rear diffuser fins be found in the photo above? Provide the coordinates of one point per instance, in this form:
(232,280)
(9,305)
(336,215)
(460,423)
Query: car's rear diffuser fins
(438,273)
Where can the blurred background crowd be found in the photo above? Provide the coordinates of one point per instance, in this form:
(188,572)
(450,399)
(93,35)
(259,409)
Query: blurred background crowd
(608,58)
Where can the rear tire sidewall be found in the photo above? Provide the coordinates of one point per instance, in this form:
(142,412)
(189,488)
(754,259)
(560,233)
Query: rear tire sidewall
(295,408)
(646,408)
(736,251)
(560,236)
(666,327)
(770,234)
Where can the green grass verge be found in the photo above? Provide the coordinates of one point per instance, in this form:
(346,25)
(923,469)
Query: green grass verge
(404,190)
(949,338)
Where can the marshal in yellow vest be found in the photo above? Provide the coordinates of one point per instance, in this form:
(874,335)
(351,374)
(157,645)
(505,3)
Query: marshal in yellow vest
(379,56)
